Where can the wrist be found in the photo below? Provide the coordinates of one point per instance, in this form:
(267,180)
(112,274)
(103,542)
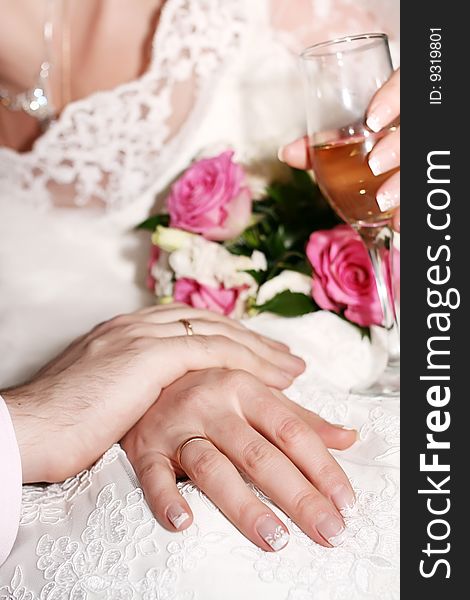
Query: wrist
(32,435)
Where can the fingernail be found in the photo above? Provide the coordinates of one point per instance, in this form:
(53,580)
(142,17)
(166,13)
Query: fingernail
(299,364)
(280,154)
(177,515)
(329,527)
(382,161)
(344,428)
(288,377)
(343,497)
(388,199)
(299,359)
(378,117)
(340,426)
(272,532)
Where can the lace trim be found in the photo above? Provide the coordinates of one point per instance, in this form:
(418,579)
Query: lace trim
(109,148)
(364,565)
(98,563)
(53,503)
(110,554)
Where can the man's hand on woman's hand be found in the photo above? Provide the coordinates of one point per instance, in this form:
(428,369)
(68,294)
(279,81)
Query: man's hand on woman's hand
(252,429)
(383,109)
(85,400)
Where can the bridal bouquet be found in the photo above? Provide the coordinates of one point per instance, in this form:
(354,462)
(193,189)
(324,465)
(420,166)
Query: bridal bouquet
(224,247)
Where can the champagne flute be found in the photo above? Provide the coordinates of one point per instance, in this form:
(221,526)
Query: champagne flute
(341,76)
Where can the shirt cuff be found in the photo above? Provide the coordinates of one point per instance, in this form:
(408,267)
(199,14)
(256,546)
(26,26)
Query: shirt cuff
(10,483)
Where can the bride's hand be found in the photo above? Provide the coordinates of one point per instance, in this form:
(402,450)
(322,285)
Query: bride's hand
(383,109)
(278,445)
(82,402)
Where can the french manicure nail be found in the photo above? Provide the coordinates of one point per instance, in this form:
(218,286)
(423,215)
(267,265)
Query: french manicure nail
(343,497)
(280,154)
(388,200)
(341,426)
(177,515)
(274,534)
(329,527)
(382,161)
(344,428)
(379,116)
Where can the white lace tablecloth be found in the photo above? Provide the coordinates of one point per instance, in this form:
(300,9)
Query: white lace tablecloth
(94,537)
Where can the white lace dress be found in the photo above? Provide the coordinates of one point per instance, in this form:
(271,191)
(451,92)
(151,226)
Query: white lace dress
(220,75)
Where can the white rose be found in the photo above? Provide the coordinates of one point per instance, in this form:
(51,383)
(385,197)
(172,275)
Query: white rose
(287,280)
(259,261)
(212,264)
(163,276)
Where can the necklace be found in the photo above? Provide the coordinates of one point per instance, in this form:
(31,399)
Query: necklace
(37,101)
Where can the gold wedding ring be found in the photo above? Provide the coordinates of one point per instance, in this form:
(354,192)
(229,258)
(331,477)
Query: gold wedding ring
(187,326)
(181,447)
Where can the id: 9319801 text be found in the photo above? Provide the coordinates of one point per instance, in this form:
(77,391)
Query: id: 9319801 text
(435,65)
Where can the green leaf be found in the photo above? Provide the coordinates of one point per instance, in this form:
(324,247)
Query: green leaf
(264,208)
(276,244)
(290,263)
(303,181)
(288,304)
(151,223)
(275,192)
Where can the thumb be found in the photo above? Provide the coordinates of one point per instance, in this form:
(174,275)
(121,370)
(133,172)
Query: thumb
(296,154)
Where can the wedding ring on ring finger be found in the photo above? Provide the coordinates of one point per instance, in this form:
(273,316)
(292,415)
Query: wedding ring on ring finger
(181,447)
(187,325)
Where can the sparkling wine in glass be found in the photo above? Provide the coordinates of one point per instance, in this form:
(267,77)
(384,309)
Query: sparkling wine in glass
(341,77)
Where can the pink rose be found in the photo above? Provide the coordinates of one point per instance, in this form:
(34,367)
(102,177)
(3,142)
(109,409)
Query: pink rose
(211,198)
(343,275)
(219,300)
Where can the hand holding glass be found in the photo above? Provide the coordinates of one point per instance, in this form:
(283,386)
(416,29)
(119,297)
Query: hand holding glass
(341,77)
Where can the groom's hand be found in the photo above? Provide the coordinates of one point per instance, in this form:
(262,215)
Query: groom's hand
(87,399)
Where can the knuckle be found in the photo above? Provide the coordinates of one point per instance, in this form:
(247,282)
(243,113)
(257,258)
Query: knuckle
(259,343)
(147,472)
(96,345)
(132,330)
(257,455)
(237,353)
(117,321)
(245,508)
(205,465)
(194,395)
(308,501)
(111,324)
(236,379)
(329,475)
(291,431)
(202,343)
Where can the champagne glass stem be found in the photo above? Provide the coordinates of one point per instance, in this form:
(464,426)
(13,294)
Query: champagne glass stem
(379,244)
